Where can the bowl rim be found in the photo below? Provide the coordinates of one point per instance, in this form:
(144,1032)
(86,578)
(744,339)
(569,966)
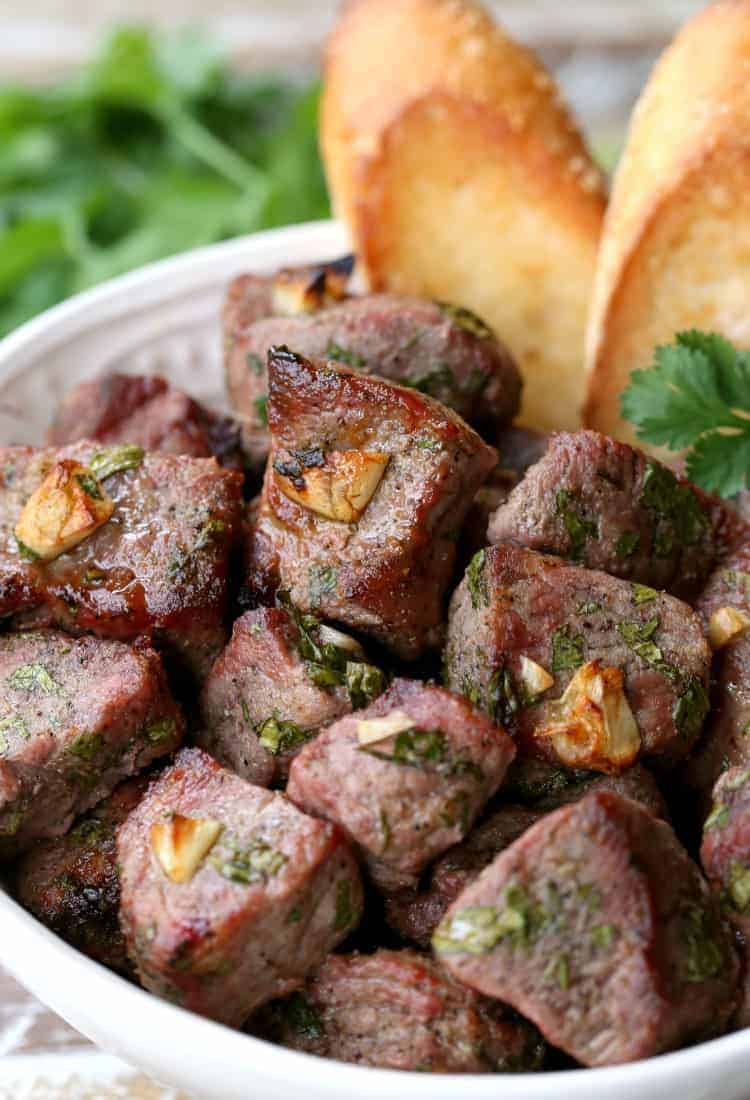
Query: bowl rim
(50,968)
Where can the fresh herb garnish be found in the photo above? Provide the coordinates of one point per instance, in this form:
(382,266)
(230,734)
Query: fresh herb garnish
(477,582)
(567,651)
(627,544)
(162,730)
(696,395)
(344,355)
(87,746)
(90,486)
(739,886)
(25,551)
(363,683)
(704,957)
(718,817)
(577,526)
(464,318)
(255,862)
(114,460)
(33,677)
(301,1016)
(639,637)
(643,594)
(156,146)
(260,404)
(277,736)
(691,708)
(322,581)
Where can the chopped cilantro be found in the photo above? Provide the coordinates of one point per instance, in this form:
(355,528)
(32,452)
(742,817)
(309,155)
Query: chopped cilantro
(256,862)
(643,594)
(557,971)
(467,320)
(322,581)
(696,395)
(718,817)
(33,677)
(87,746)
(691,708)
(364,683)
(477,582)
(567,651)
(345,355)
(578,527)
(739,886)
(478,929)
(114,460)
(704,957)
(603,935)
(639,637)
(627,544)
(162,730)
(278,736)
(90,486)
(588,607)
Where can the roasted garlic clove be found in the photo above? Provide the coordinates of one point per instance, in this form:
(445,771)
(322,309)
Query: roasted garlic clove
(182,843)
(370,730)
(726,624)
(308,289)
(340,488)
(592,725)
(69,505)
(535,679)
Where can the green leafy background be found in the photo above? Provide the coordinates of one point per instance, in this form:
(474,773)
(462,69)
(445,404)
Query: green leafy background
(155,147)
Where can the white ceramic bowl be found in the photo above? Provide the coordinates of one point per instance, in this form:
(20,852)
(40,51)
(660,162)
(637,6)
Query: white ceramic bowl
(165,318)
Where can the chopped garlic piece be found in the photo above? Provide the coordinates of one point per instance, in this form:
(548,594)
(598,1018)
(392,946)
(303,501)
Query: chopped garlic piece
(182,843)
(534,677)
(69,505)
(341,488)
(592,725)
(309,289)
(328,635)
(370,730)
(726,624)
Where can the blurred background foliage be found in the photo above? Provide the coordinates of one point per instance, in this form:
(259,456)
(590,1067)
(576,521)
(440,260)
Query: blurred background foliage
(153,147)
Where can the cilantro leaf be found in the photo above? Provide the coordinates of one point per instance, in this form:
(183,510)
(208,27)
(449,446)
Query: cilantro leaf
(696,395)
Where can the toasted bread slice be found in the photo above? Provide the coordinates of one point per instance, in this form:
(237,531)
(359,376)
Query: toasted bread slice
(675,252)
(462,176)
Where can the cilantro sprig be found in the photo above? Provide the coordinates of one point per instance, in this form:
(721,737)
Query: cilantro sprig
(696,395)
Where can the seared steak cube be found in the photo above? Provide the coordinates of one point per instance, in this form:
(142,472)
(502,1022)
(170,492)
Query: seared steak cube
(304,288)
(282,677)
(544,787)
(365,491)
(585,669)
(608,506)
(724,607)
(434,348)
(259,559)
(415,914)
(72,884)
(76,717)
(230,895)
(406,777)
(158,566)
(144,410)
(400,1010)
(725,851)
(597,925)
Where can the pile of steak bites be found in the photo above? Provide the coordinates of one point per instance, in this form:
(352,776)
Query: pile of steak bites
(404,757)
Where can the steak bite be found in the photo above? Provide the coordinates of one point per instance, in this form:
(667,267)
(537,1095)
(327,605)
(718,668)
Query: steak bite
(597,926)
(544,787)
(406,777)
(434,348)
(724,607)
(608,506)
(72,885)
(77,717)
(400,1010)
(585,669)
(144,410)
(415,914)
(157,566)
(230,895)
(282,677)
(725,851)
(364,495)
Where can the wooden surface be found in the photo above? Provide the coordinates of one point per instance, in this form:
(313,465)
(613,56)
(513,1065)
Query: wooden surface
(41,1058)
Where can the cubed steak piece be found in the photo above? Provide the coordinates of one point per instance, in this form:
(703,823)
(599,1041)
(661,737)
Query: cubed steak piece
(544,786)
(597,925)
(725,851)
(400,1010)
(282,677)
(77,715)
(406,777)
(608,506)
(435,348)
(585,669)
(144,410)
(230,895)
(284,293)
(415,914)
(724,607)
(119,543)
(365,491)
(72,884)
(259,559)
